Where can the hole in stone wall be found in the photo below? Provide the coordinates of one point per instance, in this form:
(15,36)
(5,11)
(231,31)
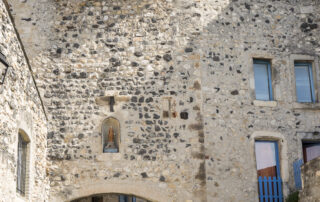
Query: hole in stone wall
(111,103)
(168,106)
(184,115)
(165,114)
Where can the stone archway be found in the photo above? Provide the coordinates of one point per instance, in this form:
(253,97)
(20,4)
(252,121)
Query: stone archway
(145,190)
(111,197)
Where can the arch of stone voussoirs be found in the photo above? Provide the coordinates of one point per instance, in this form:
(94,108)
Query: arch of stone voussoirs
(146,190)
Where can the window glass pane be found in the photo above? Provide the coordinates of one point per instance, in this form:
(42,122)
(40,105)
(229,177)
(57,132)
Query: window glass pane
(303,87)
(266,158)
(261,81)
(312,151)
(97,199)
(123,198)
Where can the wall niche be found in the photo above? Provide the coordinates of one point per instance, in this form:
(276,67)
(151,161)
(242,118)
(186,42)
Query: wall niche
(110,135)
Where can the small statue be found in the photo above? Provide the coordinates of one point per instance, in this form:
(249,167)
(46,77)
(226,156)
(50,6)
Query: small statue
(110,146)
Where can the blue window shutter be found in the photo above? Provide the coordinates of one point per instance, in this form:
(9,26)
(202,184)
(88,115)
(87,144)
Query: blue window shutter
(311,83)
(297,173)
(262,79)
(304,82)
(270,82)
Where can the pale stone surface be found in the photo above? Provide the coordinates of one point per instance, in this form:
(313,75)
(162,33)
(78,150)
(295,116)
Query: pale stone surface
(20,109)
(184,69)
(260,103)
(310,181)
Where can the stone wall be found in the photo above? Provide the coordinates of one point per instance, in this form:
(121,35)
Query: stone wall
(281,31)
(197,56)
(137,51)
(310,181)
(20,109)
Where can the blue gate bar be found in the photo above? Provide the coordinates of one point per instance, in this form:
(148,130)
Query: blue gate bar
(265,189)
(280,189)
(275,192)
(260,189)
(270,188)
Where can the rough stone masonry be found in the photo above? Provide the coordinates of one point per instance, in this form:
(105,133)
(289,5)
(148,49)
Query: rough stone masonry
(20,111)
(181,76)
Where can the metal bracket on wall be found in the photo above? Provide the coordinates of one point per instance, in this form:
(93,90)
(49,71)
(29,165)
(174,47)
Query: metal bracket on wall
(3,72)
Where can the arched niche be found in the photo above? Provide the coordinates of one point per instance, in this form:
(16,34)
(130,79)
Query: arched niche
(110,135)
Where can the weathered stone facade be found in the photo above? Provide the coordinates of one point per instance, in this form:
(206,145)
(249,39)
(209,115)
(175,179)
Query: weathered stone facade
(20,110)
(311,181)
(181,73)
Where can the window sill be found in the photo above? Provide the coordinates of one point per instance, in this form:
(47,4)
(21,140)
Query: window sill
(261,103)
(21,198)
(108,156)
(299,105)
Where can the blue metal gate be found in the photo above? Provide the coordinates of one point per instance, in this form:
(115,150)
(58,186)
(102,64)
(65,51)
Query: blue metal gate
(270,189)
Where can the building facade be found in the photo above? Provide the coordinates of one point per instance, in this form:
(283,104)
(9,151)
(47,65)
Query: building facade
(167,100)
(23,128)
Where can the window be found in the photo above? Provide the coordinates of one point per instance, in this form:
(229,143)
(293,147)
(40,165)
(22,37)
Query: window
(97,199)
(111,135)
(125,198)
(22,163)
(262,79)
(304,82)
(311,150)
(267,158)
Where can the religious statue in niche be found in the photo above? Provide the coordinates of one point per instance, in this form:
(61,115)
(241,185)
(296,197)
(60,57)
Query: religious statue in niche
(110,135)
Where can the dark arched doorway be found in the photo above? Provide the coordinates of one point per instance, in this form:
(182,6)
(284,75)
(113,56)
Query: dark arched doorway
(111,198)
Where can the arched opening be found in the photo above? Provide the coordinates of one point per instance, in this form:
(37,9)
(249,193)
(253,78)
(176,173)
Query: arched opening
(23,163)
(148,191)
(110,135)
(112,197)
